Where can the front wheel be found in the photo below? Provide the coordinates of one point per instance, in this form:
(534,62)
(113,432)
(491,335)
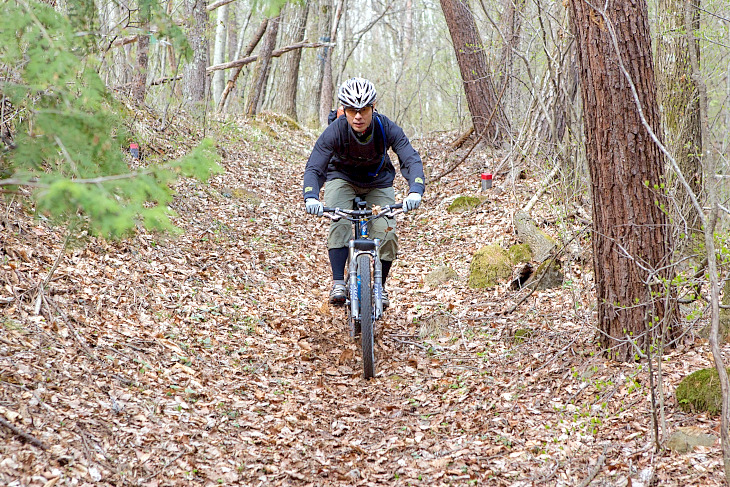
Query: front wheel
(366,315)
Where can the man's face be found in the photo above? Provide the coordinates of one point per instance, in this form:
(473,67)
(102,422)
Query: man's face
(359,119)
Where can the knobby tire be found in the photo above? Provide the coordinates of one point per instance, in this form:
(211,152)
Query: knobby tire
(366,316)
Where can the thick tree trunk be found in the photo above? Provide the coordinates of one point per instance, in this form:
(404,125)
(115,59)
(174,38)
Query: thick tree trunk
(478,84)
(287,96)
(194,74)
(679,96)
(261,71)
(632,243)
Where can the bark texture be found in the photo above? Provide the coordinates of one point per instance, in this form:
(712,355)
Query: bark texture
(679,95)
(475,74)
(291,62)
(631,238)
(194,75)
(261,71)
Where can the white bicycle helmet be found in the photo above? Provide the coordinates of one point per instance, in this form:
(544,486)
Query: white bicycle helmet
(357,93)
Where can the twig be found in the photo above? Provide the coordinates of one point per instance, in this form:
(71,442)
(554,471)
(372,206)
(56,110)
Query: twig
(479,139)
(596,469)
(29,438)
(44,284)
(406,342)
(147,479)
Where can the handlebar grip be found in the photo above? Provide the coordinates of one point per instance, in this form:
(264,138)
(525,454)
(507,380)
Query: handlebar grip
(328,209)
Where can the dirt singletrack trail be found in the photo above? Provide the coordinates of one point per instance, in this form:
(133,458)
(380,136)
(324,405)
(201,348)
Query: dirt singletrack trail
(212,357)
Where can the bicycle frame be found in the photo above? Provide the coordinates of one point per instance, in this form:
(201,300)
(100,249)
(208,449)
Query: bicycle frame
(360,244)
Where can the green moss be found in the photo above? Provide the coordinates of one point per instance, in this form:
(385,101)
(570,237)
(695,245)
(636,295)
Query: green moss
(519,254)
(489,265)
(700,392)
(246,195)
(522,334)
(279,119)
(264,128)
(463,203)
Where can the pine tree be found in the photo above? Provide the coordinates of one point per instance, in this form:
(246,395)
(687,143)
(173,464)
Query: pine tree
(67,132)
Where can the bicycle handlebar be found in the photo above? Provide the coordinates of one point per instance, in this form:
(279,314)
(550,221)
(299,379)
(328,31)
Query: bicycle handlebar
(353,215)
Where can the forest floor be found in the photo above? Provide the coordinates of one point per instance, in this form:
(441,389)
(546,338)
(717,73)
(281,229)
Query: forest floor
(213,358)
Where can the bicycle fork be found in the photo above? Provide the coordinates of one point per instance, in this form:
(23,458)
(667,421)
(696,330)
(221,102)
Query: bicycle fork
(355,285)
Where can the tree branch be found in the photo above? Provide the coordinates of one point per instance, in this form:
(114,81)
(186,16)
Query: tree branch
(275,53)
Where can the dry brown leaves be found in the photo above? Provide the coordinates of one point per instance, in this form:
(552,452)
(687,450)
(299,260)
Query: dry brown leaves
(210,358)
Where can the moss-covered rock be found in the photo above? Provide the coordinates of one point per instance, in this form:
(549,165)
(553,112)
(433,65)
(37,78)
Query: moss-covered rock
(463,203)
(279,119)
(519,254)
(553,276)
(439,276)
(489,265)
(522,334)
(700,392)
(686,438)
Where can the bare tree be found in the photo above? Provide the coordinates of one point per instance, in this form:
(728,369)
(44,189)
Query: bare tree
(475,74)
(219,52)
(632,244)
(231,83)
(678,94)
(325,100)
(194,75)
(261,71)
(287,95)
(139,82)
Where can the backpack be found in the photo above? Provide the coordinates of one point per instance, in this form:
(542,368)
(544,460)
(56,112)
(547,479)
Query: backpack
(335,114)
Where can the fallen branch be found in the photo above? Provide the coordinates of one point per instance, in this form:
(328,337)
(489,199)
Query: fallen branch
(25,436)
(596,469)
(543,187)
(275,53)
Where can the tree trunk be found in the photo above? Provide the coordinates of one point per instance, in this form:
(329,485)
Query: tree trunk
(194,74)
(231,83)
(287,98)
(478,84)
(219,53)
(261,71)
(325,99)
(632,243)
(512,21)
(678,95)
(325,22)
(139,82)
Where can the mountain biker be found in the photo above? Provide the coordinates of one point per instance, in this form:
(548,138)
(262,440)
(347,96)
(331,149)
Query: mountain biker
(351,156)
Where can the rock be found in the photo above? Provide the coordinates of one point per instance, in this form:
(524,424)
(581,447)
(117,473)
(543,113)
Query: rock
(439,276)
(489,265)
(686,438)
(464,203)
(540,242)
(700,392)
(553,276)
(519,254)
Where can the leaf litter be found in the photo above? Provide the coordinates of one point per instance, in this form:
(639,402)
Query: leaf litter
(212,357)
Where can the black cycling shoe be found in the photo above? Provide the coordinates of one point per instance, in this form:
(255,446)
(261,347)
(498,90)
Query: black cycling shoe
(338,295)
